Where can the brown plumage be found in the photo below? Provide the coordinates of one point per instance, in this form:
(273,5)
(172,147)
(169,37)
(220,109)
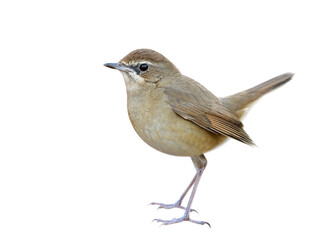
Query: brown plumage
(204,109)
(176,115)
(238,102)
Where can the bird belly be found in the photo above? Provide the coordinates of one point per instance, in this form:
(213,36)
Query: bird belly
(169,133)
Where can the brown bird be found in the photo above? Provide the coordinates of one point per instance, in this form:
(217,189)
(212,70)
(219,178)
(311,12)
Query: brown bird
(176,115)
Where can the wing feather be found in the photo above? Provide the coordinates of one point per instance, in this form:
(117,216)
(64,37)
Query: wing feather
(201,107)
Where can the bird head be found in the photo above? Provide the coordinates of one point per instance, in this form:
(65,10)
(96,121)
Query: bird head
(144,68)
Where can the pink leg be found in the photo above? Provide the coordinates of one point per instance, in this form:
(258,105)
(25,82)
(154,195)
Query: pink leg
(177,204)
(200,164)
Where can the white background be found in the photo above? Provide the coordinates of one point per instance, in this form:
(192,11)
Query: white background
(71,165)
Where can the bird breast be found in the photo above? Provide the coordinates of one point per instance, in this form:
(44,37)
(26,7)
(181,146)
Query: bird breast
(160,127)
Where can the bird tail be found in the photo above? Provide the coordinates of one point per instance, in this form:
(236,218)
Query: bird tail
(239,102)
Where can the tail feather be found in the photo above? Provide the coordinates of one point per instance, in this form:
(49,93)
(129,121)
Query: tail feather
(240,101)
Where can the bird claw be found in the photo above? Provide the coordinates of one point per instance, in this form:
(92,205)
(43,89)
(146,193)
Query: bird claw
(170,206)
(178,220)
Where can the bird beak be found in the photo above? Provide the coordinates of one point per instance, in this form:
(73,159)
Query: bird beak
(119,66)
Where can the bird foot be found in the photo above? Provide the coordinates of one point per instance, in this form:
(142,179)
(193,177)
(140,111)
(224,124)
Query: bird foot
(170,206)
(182,219)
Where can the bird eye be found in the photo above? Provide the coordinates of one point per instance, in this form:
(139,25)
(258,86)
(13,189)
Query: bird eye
(143,67)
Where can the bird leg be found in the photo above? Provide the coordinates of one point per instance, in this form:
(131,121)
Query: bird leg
(177,204)
(200,164)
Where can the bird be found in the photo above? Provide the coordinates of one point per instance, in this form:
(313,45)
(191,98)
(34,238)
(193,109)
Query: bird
(176,115)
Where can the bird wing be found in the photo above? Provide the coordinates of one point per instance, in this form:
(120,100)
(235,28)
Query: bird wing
(201,107)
